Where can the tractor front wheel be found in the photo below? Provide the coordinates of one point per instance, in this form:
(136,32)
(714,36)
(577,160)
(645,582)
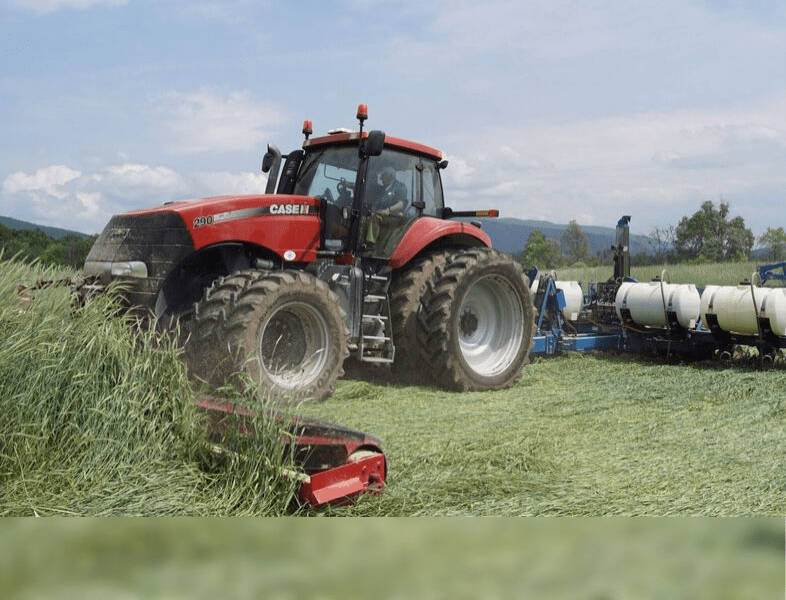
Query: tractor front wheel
(285,330)
(476,328)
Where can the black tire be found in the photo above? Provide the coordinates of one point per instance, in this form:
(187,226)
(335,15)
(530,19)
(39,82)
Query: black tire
(408,289)
(285,330)
(476,328)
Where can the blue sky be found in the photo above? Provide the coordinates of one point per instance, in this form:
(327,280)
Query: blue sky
(546,109)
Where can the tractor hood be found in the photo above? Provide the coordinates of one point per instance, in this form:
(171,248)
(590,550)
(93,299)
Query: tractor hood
(287,225)
(147,244)
(221,209)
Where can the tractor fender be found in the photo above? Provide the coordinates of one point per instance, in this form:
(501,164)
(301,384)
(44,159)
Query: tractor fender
(427,231)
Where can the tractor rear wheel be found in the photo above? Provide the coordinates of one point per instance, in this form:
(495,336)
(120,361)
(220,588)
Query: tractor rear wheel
(407,292)
(285,330)
(476,330)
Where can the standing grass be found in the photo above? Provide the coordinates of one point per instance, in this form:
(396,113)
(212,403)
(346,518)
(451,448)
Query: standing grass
(729,273)
(95,420)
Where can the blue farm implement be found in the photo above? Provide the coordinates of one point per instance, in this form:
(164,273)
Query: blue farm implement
(658,316)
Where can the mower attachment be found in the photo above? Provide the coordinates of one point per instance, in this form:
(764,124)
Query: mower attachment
(338,463)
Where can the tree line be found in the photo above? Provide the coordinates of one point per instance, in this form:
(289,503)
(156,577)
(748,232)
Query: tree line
(27,245)
(710,235)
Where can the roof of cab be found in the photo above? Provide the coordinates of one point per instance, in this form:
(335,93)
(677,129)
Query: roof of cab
(352,137)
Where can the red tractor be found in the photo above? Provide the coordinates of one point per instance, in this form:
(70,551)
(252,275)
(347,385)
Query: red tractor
(351,249)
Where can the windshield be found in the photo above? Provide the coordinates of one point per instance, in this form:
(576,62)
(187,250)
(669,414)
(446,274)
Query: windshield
(330,173)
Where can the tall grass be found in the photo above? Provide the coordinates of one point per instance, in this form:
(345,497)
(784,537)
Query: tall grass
(701,275)
(95,419)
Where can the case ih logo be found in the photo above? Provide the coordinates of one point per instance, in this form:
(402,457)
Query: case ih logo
(289,209)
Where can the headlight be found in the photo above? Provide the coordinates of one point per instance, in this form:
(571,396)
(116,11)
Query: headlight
(105,270)
(132,268)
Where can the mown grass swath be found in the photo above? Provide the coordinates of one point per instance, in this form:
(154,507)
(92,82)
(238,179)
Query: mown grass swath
(95,419)
(580,435)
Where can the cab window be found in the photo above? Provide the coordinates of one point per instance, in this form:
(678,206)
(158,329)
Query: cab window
(418,176)
(329,173)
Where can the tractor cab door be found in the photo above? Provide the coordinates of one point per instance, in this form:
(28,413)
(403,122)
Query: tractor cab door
(400,188)
(331,175)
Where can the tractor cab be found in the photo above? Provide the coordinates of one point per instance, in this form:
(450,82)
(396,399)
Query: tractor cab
(371,186)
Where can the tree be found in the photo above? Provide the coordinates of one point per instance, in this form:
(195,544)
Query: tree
(709,235)
(775,242)
(540,251)
(32,244)
(664,242)
(574,243)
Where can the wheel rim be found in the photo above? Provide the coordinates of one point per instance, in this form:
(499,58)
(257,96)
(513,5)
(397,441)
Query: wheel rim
(292,345)
(490,326)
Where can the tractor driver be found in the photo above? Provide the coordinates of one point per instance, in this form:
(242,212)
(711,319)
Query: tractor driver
(389,200)
(391,197)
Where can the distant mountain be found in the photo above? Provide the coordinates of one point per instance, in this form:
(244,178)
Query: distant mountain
(53,232)
(510,235)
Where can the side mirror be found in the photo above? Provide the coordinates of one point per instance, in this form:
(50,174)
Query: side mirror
(374,143)
(271,163)
(270,157)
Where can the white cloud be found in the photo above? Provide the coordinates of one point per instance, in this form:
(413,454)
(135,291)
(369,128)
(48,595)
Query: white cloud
(60,196)
(48,6)
(207,121)
(56,195)
(132,176)
(230,183)
(553,27)
(90,203)
(48,180)
(568,29)
(659,166)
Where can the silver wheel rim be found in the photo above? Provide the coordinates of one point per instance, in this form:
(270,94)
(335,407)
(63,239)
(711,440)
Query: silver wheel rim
(490,326)
(292,346)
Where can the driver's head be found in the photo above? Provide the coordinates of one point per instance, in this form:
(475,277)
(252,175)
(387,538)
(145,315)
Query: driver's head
(388,174)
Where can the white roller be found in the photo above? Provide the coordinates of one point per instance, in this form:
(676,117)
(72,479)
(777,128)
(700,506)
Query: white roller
(734,308)
(649,302)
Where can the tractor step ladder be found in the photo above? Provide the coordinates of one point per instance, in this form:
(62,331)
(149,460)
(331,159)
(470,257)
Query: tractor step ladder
(376,329)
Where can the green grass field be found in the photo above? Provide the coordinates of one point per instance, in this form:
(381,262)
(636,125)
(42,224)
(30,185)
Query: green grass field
(700,275)
(97,422)
(392,559)
(580,435)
